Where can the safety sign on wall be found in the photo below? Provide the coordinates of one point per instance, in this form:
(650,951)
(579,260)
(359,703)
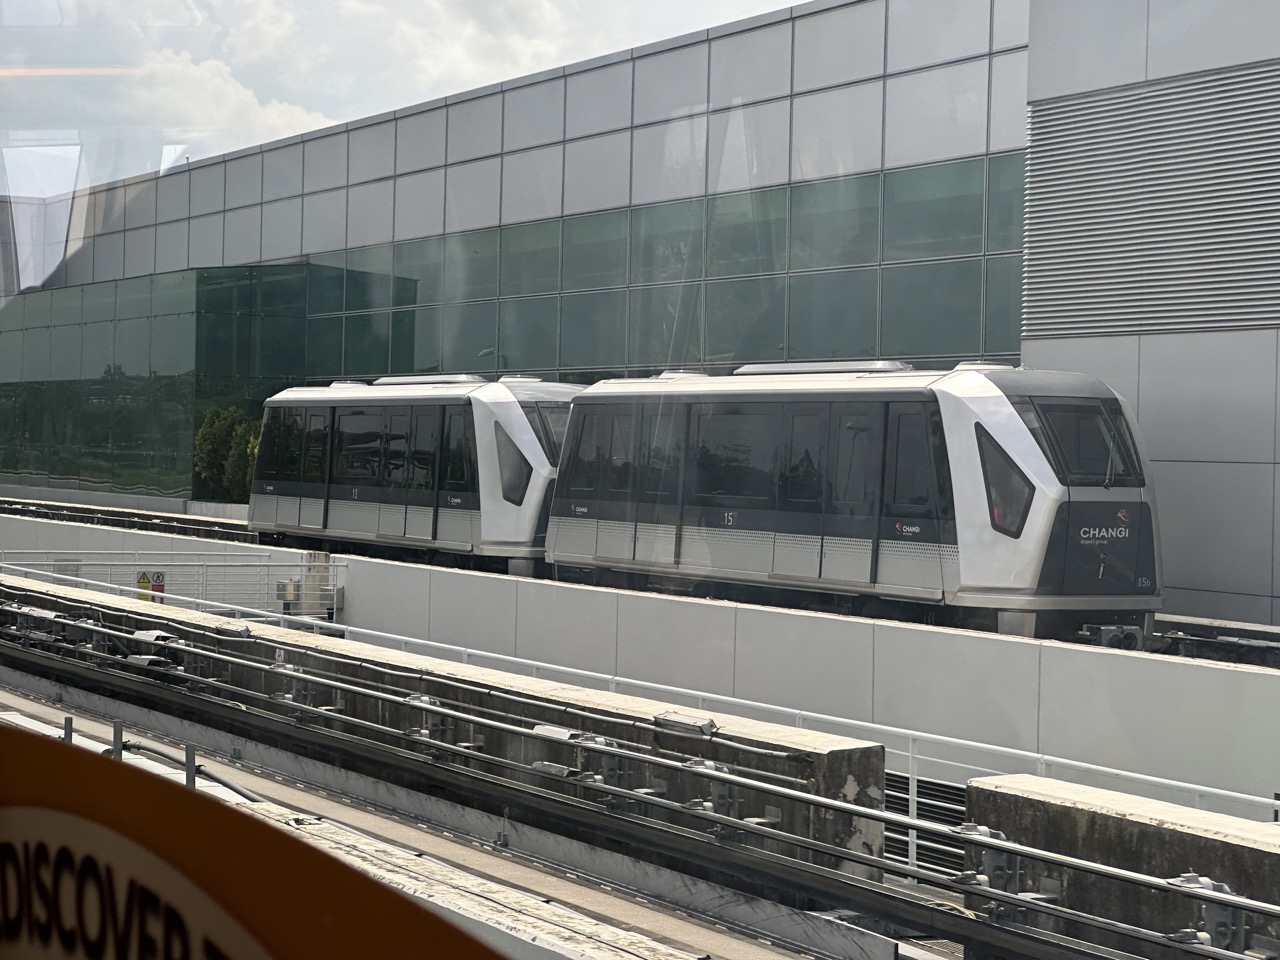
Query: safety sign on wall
(151,585)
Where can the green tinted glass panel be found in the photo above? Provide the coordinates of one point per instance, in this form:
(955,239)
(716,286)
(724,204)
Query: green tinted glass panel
(279,346)
(593,329)
(223,343)
(471,265)
(666,242)
(326,278)
(98,350)
(595,250)
(133,297)
(35,355)
(64,353)
(469,337)
(281,290)
(66,306)
(133,346)
(931,309)
(369,278)
(747,233)
(11,356)
(835,223)
(665,325)
(324,346)
(1003,306)
(13,310)
(933,211)
(171,293)
(530,258)
(832,315)
(415,340)
(1005,186)
(418,272)
(527,331)
(173,344)
(222,290)
(746,319)
(100,302)
(366,342)
(39,309)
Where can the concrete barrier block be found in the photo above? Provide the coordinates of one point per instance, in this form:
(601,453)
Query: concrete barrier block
(473,610)
(568,625)
(958,683)
(814,662)
(677,641)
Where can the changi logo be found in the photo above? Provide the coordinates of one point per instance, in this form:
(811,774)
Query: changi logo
(906,529)
(1123,516)
(453,501)
(1103,534)
(578,511)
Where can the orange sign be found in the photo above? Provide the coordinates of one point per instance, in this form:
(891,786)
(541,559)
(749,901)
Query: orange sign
(98,859)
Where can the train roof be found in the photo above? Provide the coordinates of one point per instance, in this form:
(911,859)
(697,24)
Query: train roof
(828,378)
(419,388)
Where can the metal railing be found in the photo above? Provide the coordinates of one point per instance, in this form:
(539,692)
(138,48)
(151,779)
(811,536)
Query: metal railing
(917,755)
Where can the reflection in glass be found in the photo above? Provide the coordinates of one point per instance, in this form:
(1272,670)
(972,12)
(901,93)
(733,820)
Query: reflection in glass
(527,333)
(324,346)
(593,329)
(745,319)
(832,316)
(666,242)
(931,309)
(469,332)
(835,223)
(418,272)
(471,265)
(133,347)
(415,340)
(530,258)
(747,233)
(366,340)
(326,283)
(665,325)
(595,251)
(98,346)
(933,211)
(369,278)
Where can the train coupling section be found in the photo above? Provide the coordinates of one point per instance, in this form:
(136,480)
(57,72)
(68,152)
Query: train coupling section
(1121,636)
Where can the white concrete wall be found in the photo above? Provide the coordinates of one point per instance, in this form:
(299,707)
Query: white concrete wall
(127,501)
(1196,722)
(1206,405)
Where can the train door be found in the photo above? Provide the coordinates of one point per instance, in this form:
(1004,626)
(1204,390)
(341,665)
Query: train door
(797,544)
(909,555)
(854,488)
(458,514)
(657,488)
(395,472)
(731,487)
(615,514)
(423,469)
(315,470)
(355,481)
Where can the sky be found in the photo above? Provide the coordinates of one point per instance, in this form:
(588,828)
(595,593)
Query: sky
(94,90)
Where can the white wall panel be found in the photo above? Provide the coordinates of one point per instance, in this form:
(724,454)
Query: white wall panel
(474,610)
(969,686)
(569,625)
(671,641)
(1188,36)
(1113,360)
(813,662)
(1086,45)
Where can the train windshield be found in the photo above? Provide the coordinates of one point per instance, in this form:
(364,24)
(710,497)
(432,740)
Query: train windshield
(1087,440)
(549,421)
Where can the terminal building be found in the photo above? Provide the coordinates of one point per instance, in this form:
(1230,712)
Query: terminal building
(1088,186)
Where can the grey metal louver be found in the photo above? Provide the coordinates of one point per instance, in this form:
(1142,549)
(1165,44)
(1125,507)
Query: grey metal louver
(1155,208)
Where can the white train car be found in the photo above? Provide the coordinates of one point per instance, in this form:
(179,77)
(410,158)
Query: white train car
(451,465)
(984,496)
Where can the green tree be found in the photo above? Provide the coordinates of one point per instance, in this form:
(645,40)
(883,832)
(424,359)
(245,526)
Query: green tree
(226,446)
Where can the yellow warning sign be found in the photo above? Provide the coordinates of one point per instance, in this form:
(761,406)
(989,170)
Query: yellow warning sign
(150,586)
(144,587)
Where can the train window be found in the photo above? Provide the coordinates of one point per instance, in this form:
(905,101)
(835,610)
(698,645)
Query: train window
(459,451)
(514,471)
(619,463)
(1090,441)
(395,461)
(911,485)
(804,467)
(422,453)
(582,468)
(357,458)
(1009,492)
(859,460)
(660,464)
(736,453)
(281,448)
(556,416)
(315,447)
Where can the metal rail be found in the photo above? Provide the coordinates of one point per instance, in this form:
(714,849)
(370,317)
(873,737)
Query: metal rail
(185,525)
